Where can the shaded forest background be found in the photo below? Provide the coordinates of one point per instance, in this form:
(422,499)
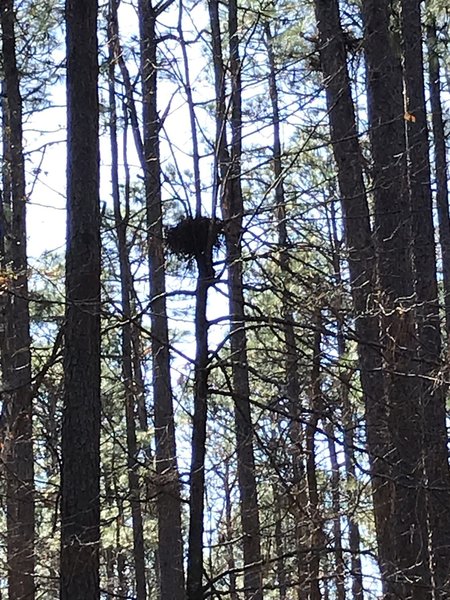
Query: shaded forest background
(231,380)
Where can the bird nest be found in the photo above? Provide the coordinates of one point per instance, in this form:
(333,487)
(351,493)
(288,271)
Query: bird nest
(193,237)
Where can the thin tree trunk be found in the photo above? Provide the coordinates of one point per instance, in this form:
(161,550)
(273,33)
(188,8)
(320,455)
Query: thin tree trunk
(204,260)
(127,348)
(353,527)
(336,504)
(433,394)
(392,221)
(221,165)
(291,364)
(192,117)
(311,474)
(15,337)
(80,473)
(109,567)
(197,473)
(348,423)
(232,210)
(122,570)
(170,546)
(361,261)
(109,551)
(138,378)
(229,531)
(441,168)
(198,448)
(279,544)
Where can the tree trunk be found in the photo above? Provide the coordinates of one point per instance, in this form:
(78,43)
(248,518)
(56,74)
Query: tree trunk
(168,499)
(231,563)
(392,221)
(428,322)
(291,351)
(198,447)
(232,210)
(311,474)
(348,421)
(127,346)
(279,544)
(440,162)
(122,588)
(15,335)
(80,472)
(353,527)
(336,504)
(229,172)
(361,261)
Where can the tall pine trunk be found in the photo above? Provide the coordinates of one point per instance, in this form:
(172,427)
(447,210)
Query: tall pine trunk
(80,470)
(411,578)
(427,312)
(197,473)
(15,336)
(362,268)
(440,165)
(170,545)
(233,210)
(126,284)
(291,351)
(314,515)
(229,171)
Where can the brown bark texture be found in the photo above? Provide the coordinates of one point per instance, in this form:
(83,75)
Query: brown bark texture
(170,547)
(361,259)
(126,285)
(232,212)
(427,312)
(410,576)
(80,471)
(198,446)
(16,418)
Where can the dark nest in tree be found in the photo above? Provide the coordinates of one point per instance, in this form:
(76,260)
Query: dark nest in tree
(193,237)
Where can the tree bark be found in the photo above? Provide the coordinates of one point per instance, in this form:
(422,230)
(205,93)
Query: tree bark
(229,172)
(232,211)
(362,268)
(311,474)
(411,578)
(291,350)
(80,472)
(127,345)
(440,163)
(427,312)
(15,335)
(168,499)
(198,447)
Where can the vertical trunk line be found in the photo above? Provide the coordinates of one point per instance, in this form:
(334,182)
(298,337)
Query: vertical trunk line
(433,393)
(15,337)
(232,210)
(170,543)
(80,473)
(127,349)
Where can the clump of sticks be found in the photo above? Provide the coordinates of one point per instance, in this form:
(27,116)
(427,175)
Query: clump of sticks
(194,237)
